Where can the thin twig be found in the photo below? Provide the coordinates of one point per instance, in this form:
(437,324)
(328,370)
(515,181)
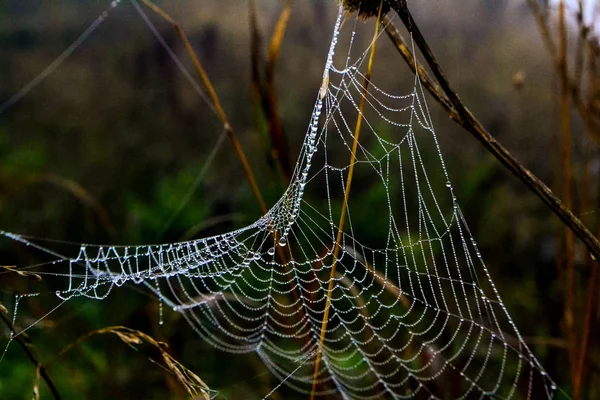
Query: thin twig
(39,367)
(585,334)
(473,126)
(590,311)
(348,186)
(569,262)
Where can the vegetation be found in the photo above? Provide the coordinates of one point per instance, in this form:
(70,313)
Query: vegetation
(106,149)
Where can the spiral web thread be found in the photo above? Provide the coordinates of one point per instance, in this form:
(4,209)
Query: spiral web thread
(414,312)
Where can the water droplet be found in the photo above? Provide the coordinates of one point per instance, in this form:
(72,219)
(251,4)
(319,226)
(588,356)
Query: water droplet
(448,184)
(113,4)
(271,251)
(283,241)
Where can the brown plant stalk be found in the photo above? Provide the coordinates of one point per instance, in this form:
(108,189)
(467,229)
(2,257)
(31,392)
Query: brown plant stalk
(569,257)
(39,367)
(582,356)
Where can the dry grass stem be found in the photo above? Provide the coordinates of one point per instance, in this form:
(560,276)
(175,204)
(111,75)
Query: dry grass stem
(191,382)
(569,256)
(40,370)
(23,274)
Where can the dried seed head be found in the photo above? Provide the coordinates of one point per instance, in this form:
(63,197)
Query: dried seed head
(365,8)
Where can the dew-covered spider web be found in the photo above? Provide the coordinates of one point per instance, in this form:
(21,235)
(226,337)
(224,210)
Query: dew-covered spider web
(414,312)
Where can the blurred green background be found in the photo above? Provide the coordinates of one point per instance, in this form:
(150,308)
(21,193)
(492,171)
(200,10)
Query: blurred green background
(105,149)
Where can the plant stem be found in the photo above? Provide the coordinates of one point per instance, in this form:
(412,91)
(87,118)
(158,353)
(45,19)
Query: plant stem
(569,262)
(35,362)
(348,187)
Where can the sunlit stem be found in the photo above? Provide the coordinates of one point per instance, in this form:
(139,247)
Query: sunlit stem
(348,186)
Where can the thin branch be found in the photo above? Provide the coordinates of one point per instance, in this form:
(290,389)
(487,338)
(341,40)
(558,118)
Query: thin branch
(473,126)
(25,347)
(569,262)
(593,264)
(585,335)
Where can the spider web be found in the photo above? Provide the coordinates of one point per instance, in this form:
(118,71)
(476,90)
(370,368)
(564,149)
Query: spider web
(413,312)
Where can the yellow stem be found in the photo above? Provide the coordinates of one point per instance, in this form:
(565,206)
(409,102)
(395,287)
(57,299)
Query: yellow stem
(340,232)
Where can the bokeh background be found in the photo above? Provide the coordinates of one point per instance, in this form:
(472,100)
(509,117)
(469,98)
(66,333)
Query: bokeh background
(106,148)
